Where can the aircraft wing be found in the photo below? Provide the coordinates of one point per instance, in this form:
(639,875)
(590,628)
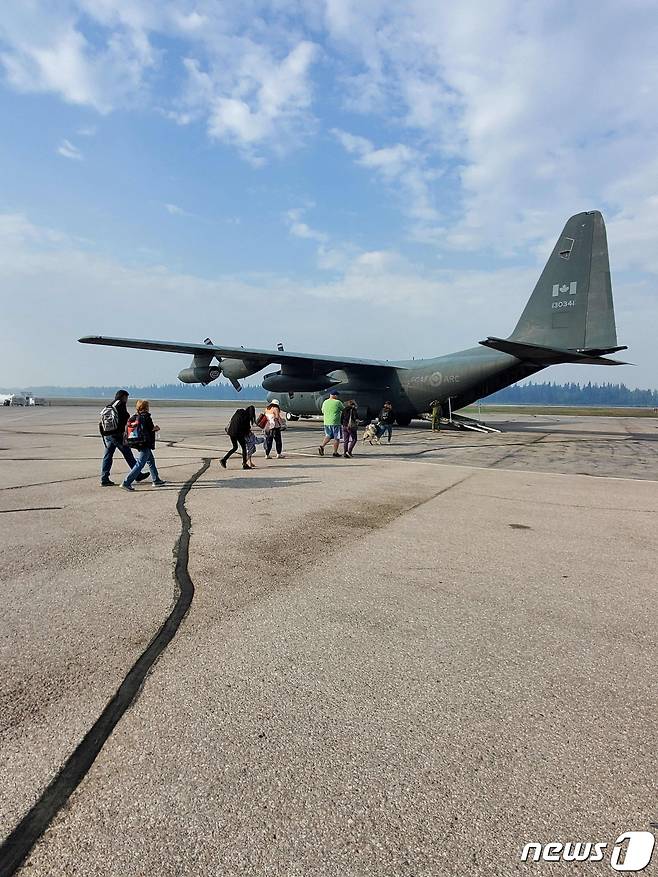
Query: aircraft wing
(305,361)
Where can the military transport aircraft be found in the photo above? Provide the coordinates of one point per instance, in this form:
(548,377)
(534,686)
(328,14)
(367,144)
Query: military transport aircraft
(568,318)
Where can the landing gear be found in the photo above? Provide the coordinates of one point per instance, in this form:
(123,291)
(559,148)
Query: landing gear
(403,419)
(290,416)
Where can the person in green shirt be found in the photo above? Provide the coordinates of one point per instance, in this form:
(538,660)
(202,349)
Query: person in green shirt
(331,410)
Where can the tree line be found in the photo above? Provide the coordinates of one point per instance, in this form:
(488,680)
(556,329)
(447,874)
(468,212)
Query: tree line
(588,394)
(529,393)
(154,391)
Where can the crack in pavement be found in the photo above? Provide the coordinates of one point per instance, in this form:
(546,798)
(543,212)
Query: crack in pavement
(38,508)
(20,842)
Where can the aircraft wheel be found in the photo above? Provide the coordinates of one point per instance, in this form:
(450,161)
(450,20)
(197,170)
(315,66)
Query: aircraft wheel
(290,416)
(403,420)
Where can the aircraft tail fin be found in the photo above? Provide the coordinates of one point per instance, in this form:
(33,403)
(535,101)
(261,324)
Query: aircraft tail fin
(571,307)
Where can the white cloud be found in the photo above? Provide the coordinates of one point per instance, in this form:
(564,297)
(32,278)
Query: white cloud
(68,150)
(399,166)
(503,143)
(175,210)
(261,102)
(529,132)
(250,81)
(46,50)
(493,122)
(250,96)
(300,229)
(330,255)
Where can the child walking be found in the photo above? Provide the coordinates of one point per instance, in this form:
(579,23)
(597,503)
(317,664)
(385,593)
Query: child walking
(252,441)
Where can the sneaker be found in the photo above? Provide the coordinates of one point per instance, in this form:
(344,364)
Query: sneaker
(142,476)
(321,451)
(280,456)
(268,457)
(108,483)
(159,483)
(127,486)
(248,468)
(335,454)
(222,463)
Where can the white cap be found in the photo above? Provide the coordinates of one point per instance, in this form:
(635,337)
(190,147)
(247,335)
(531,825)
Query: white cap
(275,402)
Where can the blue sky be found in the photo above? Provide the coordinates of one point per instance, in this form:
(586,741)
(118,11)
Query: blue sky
(362,178)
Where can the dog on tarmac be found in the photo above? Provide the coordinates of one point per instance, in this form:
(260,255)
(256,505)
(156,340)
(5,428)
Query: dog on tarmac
(371,432)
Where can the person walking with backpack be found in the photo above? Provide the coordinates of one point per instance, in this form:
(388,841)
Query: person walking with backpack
(140,434)
(349,421)
(111,426)
(238,429)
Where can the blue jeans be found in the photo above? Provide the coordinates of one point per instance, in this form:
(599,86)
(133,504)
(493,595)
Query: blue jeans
(386,428)
(274,435)
(112,444)
(145,458)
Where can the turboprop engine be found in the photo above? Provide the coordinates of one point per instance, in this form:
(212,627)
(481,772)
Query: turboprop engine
(200,374)
(239,368)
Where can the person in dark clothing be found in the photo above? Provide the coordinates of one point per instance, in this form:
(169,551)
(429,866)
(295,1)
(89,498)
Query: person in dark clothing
(386,420)
(113,440)
(349,421)
(436,415)
(145,447)
(238,429)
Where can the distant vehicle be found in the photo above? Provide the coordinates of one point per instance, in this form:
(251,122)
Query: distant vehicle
(13,399)
(36,400)
(568,318)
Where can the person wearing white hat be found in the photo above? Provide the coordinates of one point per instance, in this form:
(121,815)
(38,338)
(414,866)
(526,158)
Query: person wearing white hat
(275,423)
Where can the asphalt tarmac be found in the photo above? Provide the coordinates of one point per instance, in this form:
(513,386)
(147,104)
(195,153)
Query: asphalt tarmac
(413,662)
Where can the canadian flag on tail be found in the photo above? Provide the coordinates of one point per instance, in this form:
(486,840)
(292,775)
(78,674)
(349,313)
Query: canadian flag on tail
(564,287)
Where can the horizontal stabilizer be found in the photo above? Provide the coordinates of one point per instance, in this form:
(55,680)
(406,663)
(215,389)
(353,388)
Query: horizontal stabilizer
(540,355)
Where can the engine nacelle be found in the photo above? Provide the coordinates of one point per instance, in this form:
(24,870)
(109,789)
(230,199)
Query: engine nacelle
(234,369)
(276,382)
(200,374)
